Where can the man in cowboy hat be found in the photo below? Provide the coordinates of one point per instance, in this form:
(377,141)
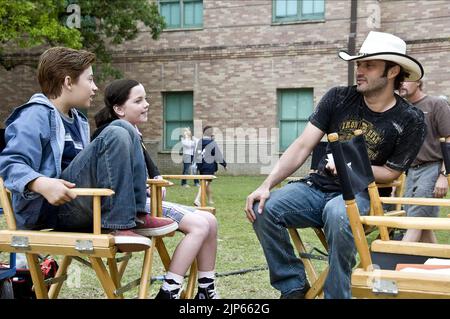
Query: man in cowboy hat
(394,131)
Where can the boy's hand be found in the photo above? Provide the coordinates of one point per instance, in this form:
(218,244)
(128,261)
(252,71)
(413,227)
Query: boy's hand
(56,191)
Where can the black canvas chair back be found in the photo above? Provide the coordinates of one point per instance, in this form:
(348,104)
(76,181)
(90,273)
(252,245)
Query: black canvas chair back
(319,152)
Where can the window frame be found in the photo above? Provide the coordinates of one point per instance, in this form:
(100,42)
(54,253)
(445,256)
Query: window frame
(299,17)
(165,146)
(182,25)
(296,120)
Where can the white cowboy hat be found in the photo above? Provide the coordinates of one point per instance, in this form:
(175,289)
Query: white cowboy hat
(388,47)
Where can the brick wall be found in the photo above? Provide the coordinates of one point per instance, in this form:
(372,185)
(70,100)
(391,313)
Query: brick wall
(238,60)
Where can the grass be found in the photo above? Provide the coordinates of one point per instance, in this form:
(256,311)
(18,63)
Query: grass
(238,247)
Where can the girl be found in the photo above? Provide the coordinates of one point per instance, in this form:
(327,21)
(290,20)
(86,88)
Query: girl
(126,99)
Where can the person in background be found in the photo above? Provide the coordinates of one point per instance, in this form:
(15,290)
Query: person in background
(188,144)
(208,156)
(427,177)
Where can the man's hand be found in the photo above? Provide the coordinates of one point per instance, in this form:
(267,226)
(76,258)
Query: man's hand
(55,191)
(331,167)
(441,187)
(261,194)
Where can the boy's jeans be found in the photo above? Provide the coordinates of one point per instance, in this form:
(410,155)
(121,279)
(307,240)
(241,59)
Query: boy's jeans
(112,160)
(300,205)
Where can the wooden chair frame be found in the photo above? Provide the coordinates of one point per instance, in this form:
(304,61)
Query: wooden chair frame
(370,282)
(73,246)
(156,209)
(203,180)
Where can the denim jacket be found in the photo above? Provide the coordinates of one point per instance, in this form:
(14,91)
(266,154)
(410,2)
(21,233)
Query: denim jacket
(34,145)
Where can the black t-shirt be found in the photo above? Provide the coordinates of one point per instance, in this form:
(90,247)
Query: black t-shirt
(393,137)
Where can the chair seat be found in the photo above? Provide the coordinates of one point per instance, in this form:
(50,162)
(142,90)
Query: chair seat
(389,261)
(72,244)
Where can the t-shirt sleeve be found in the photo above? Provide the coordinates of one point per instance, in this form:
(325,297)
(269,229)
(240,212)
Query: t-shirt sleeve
(442,117)
(408,144)
(321,117)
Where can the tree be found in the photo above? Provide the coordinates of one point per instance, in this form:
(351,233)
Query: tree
(88,24)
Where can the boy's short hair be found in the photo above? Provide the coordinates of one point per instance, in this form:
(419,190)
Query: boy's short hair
(57,63)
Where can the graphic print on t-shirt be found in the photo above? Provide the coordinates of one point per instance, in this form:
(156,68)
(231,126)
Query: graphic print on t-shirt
(372,136)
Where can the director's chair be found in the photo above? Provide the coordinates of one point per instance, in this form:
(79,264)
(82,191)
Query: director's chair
(93,246)
(375,276)
(156,186)
(316,279)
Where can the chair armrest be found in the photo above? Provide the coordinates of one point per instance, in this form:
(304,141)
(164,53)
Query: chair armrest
(93,191)
(431,223)
(97,193)
(416,201)
(159,182)
(199,177)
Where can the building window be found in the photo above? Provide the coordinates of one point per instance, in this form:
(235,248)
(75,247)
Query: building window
(178,113)
(294,108)
(180,14)
(298,10)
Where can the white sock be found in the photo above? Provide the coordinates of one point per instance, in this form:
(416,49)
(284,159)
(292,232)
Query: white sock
(205,278)
(172,281)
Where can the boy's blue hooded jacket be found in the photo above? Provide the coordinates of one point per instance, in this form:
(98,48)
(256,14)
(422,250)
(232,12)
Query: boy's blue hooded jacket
(34,145)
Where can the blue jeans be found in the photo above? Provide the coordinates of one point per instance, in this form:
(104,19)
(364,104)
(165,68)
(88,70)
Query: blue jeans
(187,171)
(300,205)
(114,160)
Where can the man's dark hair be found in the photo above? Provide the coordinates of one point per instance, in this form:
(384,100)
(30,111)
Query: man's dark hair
(207,127)
(399,78)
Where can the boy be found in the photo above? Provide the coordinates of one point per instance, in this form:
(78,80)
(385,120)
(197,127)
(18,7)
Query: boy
(48,152)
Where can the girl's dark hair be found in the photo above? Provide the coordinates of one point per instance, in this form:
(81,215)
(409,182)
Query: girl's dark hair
(116,93)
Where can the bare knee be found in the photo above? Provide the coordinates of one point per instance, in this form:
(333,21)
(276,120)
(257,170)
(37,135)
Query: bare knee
(195,225)
(212,222)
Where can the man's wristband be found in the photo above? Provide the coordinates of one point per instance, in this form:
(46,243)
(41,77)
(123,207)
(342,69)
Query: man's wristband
(443,173)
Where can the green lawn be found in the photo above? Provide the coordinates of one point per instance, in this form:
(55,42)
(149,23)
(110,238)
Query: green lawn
(238,247)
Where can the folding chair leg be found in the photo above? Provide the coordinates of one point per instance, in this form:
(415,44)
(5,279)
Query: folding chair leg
(146,272)
(317,288)
(103,276)
(189,293)
(298,243)
(162,251)
(321,235)
(123,265)
(36,275)
(114,272)
(62,271)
